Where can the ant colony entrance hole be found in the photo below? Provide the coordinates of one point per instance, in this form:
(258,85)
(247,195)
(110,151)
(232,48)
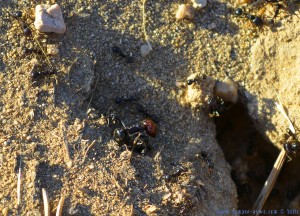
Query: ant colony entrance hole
(252,158)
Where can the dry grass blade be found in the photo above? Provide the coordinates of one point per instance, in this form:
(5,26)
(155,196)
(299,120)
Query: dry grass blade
(146,37)
(69,160)
(92,96)
(88,148)
(60,206)
(19,186)
(44,53)
(263,196)
(46,202)
(281,109)
(144,21)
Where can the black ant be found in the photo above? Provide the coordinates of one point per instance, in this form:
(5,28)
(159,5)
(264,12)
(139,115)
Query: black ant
(255,20)
(118,51)
(38,74)
(175,174)
(133,136)
(205,158)
(120,100)
(292,148)
(191,81)
(26,29)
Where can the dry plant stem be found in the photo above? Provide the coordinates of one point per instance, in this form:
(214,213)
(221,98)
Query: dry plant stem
(263,196)
(92,94)
(144,26)
(144,21)
(43,52)
(69,160)
(114,180)
(46,202)
(60,206)
(70,67)
(19,185)
(269,184)
(88,148)
(281,109)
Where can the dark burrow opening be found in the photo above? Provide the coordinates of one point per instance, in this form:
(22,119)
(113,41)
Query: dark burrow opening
(252,158)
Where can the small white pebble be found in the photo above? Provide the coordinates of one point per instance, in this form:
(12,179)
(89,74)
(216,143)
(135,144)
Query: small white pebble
(28,138)
(91,166)
(185,11)
(145,50)
(227,90)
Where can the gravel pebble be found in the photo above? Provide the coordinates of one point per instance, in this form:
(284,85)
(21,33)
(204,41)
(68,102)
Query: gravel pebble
(49,19)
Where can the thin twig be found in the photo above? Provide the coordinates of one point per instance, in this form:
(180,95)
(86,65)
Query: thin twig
(41,48)
(71,67)
(92,94)
(46,202)
(69,160)
(146,37)
(19,185)
(19,178)
(281,109)
(60,206)
(269,184)
(88,148)
(116,182)
(144,21)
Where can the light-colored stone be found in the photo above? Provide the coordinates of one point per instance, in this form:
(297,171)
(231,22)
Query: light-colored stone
(227,90)
(146,49)
(49,19)
(185,11)
(199,3)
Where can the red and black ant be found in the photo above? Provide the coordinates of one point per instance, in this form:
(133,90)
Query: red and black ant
(133,137)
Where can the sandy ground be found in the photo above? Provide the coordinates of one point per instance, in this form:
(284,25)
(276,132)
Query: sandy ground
(39,118)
